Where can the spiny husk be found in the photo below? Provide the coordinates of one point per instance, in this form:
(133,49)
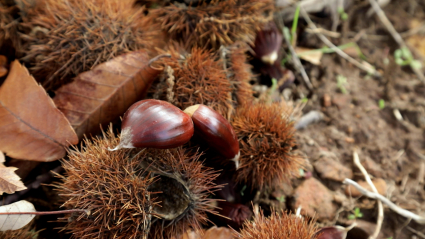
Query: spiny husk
(8,25)
(239,72)
(266,139)
(27,232)
(197,180)
(111,186)
(67,37)
(196,77)
(214,23)
(219,80)
(278,226)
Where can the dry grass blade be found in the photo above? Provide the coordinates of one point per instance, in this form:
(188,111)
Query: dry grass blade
(31,127)
(100,96)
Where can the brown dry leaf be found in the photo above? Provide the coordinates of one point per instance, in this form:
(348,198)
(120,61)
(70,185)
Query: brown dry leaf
(31,127)
(9,181)
(309,55)
(100,96)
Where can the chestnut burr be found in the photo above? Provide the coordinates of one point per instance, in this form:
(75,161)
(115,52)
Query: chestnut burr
(215,130)
(154,124)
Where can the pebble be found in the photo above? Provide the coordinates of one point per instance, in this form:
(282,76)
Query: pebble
(315,200)
(379,183)
(330,168)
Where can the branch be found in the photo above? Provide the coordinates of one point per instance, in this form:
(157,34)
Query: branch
(365,66)
(47,213)
(386,201)
(372,186)
(297,63)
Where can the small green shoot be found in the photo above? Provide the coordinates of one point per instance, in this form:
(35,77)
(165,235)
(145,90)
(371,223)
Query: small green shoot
(342,14)
(286,59)
(357,214)
(304,100)
(341,81)
(295,25)
(404,57)
(281,199)
(381,104)
(243,190)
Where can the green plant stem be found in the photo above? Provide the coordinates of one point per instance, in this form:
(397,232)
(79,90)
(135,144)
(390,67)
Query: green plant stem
(295,25)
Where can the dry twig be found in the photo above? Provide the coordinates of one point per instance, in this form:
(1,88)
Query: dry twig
(394,34)
(298,64)
(372,186)
(386,201)
(364,66)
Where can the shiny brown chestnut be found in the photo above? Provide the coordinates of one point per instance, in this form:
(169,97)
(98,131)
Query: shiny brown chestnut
(235,214)
(154,124)
(267,43)
(215,130)
(333,232)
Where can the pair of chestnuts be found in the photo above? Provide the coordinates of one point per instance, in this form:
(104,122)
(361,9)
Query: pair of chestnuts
(159,124)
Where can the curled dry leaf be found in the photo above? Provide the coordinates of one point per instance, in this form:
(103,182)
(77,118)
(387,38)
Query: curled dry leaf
(31,127)
(9,181)
(17,221)
(100,96)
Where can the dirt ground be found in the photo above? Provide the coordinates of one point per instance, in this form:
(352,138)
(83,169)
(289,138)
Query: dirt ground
(390,149)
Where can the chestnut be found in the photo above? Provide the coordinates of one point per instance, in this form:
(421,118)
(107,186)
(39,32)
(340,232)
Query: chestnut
(215,130)
(332,232)
(154,124)
(267,44)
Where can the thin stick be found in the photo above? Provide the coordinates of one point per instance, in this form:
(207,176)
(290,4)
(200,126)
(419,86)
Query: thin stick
(416,232)
(47,213)
(372,186)
(366,67)
(394,34)
(397,209)
(297,62)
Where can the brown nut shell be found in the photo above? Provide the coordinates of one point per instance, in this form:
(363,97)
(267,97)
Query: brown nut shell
(215,130)
(155,124)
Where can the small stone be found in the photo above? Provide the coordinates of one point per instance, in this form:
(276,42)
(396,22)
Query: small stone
(349,140)
(379,183)
(332,169)
(372,167)
(339,197)
(340,100)
(315,200)
(327,100)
